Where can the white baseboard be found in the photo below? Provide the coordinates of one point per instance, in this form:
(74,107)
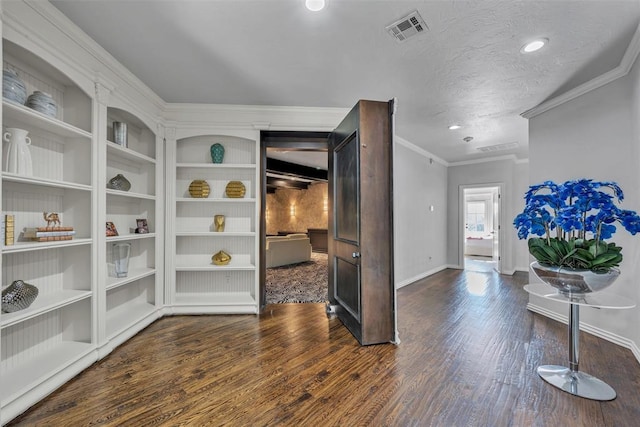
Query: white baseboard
(420,276)
(593,330)
(635,350)
(522,269)
(455,266)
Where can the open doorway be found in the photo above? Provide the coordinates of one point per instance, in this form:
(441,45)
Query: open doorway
(480,210)
(294,218)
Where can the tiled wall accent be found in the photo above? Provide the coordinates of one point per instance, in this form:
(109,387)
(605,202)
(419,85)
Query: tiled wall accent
(309,209)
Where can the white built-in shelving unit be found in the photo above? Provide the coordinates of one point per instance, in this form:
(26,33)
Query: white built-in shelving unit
(199,286)
(83,311)
(52,340)
(134,301)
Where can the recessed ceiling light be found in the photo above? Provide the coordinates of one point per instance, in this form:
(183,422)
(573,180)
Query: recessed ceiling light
(314,5)
(534,45)
(454,127)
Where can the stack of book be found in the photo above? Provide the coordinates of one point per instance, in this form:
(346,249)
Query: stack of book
(8,226)
(49,234)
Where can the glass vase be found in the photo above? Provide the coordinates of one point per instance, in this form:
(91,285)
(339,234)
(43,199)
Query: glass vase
(120,252)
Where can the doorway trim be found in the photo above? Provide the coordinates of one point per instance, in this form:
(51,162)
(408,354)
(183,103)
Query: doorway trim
(292,141)
(501,214)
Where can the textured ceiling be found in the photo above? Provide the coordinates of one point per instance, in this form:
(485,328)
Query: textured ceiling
(467,69)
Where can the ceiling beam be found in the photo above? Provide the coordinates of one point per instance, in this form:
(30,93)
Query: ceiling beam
(286,183)
(285,168)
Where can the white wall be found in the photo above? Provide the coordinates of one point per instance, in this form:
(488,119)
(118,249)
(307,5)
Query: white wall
(505,171)
(519,249)
(420,234)
(596,136)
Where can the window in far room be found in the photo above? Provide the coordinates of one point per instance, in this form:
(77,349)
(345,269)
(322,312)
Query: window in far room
(476,220)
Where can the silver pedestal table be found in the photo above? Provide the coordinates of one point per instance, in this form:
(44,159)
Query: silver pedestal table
(570,379)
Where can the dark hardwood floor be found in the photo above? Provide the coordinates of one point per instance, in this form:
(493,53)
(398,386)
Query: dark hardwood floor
(468,356)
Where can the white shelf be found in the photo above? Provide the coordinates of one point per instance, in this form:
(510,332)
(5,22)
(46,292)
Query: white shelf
(134,275)
(126,315)
(215,298)
(37,246)
(215,234)
(43,304)
(216,165)
(16,112)
(212,267)
(116,150)
(10,177)
(129,194)
(42,367)
(214,200)
(131,236)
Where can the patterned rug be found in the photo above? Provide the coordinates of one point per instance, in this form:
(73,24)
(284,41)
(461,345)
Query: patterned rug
(303,282)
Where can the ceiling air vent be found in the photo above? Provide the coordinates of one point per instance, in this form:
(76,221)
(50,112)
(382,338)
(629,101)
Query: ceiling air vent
(409,26)
(499,147)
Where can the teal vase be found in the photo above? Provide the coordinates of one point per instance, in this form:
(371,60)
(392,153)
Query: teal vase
(217,153)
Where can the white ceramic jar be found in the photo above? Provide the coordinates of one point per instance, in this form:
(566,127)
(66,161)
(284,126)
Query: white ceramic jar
(18,156)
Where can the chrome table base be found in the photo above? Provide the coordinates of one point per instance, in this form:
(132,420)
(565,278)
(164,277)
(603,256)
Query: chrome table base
(576,383)
(570,379)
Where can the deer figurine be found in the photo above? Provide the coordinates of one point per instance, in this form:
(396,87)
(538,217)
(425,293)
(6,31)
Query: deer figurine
(51,218)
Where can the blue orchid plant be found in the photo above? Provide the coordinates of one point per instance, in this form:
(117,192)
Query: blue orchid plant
(573,220)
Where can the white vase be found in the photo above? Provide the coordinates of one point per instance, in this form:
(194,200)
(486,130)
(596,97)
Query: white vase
(18,157)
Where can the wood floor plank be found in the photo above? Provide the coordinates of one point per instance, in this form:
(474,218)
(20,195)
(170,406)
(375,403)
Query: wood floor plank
(468,357)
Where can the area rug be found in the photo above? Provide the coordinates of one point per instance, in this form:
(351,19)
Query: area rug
(302,282)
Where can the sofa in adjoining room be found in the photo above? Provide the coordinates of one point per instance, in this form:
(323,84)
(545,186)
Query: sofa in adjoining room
(289,249)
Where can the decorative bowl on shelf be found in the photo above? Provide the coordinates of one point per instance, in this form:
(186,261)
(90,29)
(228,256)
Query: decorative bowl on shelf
(199,189)
(43,103)
(18,296)
(119,182)
(13,89)
(221,258)
(235,190)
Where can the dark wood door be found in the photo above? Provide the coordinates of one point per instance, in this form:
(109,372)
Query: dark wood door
(360,235)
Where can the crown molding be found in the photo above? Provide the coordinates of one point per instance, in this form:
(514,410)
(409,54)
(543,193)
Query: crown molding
(12,24)
(511,157)
(63,24)
(419,150)
(259,109)
(254,116)
(425,153)
(629,58)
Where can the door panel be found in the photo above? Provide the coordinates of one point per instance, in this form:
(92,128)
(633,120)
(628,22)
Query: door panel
(346,164)
(348,293)
(360,237)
